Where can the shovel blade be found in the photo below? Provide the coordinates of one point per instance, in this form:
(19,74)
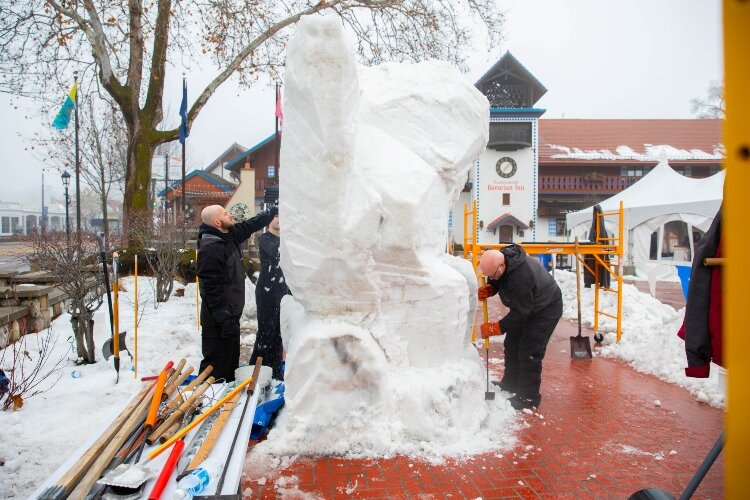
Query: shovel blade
(580,347)
(127,476)
(107,350)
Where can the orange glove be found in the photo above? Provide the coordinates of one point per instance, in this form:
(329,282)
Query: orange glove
(490,329)
(486,291)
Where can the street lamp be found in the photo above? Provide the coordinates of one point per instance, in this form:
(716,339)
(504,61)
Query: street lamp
(66,182)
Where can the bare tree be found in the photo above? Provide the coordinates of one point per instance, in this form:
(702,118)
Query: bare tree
(103,148)
(26,370)
(74,263)
(126,47)
(712,106)
(163,238)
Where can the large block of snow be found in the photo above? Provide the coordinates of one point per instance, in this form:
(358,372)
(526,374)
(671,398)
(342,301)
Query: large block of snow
(377,332)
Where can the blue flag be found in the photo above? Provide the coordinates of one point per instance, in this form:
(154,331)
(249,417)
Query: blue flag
(184,132)
(63,117)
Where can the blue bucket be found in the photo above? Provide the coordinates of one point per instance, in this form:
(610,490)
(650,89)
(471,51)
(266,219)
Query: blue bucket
(684,274)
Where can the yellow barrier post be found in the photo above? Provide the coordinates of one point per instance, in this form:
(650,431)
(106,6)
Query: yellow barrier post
(135,320)
(736,273)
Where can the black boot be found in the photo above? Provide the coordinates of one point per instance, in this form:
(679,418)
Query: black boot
(506,386)
(519,402)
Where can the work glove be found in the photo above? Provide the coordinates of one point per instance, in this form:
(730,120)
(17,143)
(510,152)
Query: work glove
(230,329)
(274,210)
(490,329)
(486,292)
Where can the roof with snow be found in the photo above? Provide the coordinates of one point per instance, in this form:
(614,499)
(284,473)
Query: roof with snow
(573,140)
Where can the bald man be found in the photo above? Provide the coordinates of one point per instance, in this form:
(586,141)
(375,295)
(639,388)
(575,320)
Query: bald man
(535,304)
(221,275)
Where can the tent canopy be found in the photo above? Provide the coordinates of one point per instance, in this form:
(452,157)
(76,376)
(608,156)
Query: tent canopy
(660,192)
(664,215)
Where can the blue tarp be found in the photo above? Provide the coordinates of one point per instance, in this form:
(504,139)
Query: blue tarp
(266,411)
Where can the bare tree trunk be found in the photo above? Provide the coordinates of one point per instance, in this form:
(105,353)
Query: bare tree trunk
(137,177)
(83,327)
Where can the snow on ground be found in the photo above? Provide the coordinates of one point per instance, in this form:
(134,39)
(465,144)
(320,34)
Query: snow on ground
(51,425)
(649,341)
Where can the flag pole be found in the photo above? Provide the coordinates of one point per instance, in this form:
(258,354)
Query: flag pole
(78,164)
(278,141)
(184,85)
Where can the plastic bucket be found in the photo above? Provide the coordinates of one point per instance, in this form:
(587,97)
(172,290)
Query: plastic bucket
(722,380)
(244,372)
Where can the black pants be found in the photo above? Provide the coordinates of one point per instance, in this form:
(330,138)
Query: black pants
(268,344)
(221,353)
(525,350)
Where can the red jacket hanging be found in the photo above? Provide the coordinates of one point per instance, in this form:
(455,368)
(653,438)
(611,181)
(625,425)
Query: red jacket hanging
(701,328)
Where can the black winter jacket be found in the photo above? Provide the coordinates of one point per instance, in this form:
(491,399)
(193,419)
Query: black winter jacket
(525,287)
(221,272)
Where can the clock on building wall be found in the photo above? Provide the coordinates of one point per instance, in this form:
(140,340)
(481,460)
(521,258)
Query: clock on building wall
(239,212)
(506,167)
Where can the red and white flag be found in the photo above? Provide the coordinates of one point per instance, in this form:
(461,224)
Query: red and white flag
(279,115)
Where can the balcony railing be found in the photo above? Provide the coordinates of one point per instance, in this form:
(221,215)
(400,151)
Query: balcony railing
(584,184)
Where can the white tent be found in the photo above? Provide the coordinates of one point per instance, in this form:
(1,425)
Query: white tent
(665,213)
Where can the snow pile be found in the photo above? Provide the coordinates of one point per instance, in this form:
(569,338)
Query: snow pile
(377,332)
(651,153)
(649,340)
(81,401)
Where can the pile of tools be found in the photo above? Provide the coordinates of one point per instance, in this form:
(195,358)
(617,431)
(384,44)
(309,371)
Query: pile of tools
(164,412)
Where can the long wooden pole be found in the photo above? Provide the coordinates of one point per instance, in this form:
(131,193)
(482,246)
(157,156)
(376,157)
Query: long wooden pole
(155,453)
(68,481)
(135,321)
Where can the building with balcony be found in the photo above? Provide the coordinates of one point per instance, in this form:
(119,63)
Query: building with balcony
(535,170)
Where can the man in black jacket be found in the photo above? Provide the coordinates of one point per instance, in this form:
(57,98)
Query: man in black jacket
(221,275)
(535,304)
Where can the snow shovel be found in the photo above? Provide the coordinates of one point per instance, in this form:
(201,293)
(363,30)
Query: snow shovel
(133,476)
(580,347)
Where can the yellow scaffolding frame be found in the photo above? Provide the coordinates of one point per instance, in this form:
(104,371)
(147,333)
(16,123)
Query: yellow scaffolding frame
(612,247)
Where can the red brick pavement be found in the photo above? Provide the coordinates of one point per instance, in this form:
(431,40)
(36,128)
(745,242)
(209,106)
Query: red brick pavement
(599,434)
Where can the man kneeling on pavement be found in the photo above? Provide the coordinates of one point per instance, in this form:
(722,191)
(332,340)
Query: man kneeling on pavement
(535,304)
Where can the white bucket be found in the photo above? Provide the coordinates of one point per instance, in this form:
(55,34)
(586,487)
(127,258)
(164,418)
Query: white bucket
(244,372)
(722,380)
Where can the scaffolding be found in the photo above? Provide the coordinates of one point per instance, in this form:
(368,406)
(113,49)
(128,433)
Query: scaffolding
(606,251)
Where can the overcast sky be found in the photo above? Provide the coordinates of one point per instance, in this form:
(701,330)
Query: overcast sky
(598,59)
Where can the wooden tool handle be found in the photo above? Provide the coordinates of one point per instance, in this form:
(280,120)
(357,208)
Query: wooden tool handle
(74,474)
(213,434)
(180,412)
(155,453)
(177,383)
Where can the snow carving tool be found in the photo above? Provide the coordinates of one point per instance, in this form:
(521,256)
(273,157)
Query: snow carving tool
(115,477)
(195,448)
(580,346)
(250,390)
(68,482)
(488,395)
(142,472)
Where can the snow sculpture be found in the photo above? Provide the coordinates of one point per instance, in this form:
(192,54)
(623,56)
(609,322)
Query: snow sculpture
(377,332)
